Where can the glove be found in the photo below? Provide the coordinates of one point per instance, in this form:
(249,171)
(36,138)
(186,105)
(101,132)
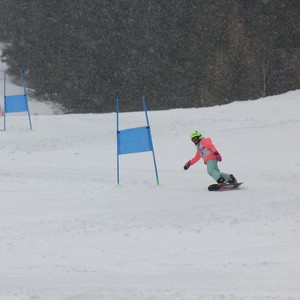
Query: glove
(187,165)
(218,156)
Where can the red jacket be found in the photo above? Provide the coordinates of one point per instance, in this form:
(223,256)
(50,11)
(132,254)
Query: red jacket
(205,149)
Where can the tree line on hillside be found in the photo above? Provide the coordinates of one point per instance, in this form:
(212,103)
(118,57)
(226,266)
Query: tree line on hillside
(84,53)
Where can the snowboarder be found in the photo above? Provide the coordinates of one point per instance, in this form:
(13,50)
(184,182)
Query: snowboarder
(211,156)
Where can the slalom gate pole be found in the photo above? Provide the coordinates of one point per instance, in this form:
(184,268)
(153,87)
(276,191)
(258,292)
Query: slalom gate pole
(118,159)
(150,137)
(23,83)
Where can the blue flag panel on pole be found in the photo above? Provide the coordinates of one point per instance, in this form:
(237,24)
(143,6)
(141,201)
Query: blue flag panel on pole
(134,140)
(16,103)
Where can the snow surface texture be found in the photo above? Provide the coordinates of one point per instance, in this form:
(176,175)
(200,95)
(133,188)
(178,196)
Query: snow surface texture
(69,232)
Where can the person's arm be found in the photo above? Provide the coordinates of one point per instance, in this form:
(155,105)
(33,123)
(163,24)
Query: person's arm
(195,159)
(192,161)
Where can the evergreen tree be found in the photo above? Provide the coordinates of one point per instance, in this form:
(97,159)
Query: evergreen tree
(84,53)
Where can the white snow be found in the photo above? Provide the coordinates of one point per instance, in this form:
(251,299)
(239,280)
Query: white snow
(69,232)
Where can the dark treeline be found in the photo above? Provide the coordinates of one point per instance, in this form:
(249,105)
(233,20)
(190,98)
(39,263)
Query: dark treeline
(84,53)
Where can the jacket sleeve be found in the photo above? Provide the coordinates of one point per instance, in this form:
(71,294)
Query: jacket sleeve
(195,158)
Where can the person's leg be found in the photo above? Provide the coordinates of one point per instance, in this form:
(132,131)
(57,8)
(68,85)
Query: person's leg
(213,169)
(225,176)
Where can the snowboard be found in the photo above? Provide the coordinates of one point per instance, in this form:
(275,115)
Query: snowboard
(224,187)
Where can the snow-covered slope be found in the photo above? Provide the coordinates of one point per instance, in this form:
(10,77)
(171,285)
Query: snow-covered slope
(68,232)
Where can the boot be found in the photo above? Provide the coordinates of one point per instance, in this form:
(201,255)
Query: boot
(232,179)
(221,180)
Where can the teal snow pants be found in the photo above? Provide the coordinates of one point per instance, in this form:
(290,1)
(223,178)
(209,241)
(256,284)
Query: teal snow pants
(214,171)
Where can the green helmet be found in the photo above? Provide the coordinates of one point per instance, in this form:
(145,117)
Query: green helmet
(196,134)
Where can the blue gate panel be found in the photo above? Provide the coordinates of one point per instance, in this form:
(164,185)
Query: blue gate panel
(15,103)
(134,140)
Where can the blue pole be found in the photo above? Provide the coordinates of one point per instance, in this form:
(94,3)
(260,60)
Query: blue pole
(118,160)
(150,136)
(23,83)
(4,116)
(145,109)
